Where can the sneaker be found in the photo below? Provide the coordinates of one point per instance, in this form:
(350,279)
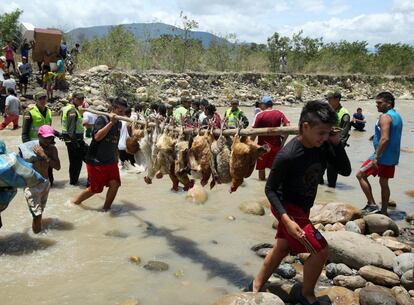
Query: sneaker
(370,209)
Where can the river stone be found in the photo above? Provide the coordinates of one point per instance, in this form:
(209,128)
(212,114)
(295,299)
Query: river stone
(182,83)
(281,288)
(361,224)
(260,246)
(409,217)
(286,271)
(116,233)
(388,233)
(351,282)
(253,208)
(411,292)
(378,223)
(402,296)
(156,266)
(263,252)
(351,226)
(337,296)
(393,244)
(250,298)
(332,270)
(379,276)
(403,263)
(374,295)
(407,280)
(334,212)
(100,68)
(356,250)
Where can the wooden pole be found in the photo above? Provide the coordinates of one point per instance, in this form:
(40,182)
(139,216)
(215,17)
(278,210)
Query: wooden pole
(269,131)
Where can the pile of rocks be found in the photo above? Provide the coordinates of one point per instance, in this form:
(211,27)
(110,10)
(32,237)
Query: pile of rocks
(100,82)
(371,260)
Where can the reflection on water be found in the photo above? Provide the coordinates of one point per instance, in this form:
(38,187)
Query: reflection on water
(82,256)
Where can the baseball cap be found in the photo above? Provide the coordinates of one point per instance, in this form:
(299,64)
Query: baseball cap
(39,94)
(78,95)
(46,131)
(267,100)
(334,94)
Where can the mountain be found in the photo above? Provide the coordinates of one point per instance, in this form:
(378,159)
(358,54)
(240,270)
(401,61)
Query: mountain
(142,31)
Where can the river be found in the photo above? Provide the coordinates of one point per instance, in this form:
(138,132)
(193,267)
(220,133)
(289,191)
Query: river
(82,257)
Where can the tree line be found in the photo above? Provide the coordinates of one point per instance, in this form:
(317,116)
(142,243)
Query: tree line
(179,53)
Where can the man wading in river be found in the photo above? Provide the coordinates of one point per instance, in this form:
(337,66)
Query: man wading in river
(291,189)
(387,143)
(102,156)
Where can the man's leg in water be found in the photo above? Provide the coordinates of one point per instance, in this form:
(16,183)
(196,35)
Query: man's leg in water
(37,224)
(385,194)
(270,263)
(110,194)
(366,187)
(86,194)
(262,174)
(311,272)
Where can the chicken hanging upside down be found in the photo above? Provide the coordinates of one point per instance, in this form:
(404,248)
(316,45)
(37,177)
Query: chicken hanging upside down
(244,153)
(200,157)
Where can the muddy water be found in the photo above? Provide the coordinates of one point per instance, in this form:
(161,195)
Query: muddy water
(82,257)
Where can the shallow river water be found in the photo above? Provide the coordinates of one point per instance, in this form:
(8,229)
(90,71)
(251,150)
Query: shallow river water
(82,257)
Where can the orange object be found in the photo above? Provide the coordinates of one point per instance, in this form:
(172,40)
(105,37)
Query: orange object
(47,44)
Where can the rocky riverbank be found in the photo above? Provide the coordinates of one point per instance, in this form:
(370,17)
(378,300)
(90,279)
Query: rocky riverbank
(99,83)
(371,261)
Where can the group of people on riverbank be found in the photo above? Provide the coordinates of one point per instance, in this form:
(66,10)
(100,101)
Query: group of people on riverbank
(296,168)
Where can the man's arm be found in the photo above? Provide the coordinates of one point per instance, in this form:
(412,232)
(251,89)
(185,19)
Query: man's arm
(72,117)
(53,155)
(385,124)
(27,124)
(103,131)
(346,126)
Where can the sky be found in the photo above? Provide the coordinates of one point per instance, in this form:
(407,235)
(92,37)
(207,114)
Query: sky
(375,21)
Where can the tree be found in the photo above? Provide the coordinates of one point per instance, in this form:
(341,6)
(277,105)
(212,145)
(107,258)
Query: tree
(188,26)
(9,27)
(277,45)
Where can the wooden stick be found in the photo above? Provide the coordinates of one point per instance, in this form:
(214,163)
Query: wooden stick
(269,131)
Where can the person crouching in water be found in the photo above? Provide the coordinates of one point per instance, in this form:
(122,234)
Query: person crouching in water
(291,189)
(44,155)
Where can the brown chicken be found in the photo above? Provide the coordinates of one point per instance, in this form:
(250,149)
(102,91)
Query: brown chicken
(220,161)
(132,145)
(200,157)
(181,164)
(244,153)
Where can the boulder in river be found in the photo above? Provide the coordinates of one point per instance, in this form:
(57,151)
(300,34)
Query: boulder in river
(374,295)
(250,298)
(156,266)
(407,280)
(332,270)
(402,296)
(403,263)
(253,208)
(334,212)
(337,296)
(286,271)
(356,250)
(393,244)
(350,281)
(378,223)
(379,276)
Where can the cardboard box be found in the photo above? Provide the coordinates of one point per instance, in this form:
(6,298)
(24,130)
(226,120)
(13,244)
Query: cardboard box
(47,44)
(27,31)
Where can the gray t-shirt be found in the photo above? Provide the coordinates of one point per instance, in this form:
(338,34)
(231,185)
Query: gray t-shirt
(9,83)
(13,104)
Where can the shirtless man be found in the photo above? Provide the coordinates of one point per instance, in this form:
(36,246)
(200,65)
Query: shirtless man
(43,154)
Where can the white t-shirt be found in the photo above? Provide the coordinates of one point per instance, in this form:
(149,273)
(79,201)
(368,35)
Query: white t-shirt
(9,83)
(89,117)
(123,136)
(201,117)
(13,104)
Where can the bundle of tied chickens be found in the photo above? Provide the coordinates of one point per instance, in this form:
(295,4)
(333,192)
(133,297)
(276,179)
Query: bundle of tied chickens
(185,158)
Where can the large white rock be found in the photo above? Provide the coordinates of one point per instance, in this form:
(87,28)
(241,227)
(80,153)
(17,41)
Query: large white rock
(100,68)
(378,223)
(403,263)
(334,212)
(356,250)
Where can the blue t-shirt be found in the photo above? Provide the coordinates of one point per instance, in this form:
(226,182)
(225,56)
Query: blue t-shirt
(60,66)
(63,50)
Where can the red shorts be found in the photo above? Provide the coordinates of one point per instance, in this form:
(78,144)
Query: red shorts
(312,242)
(384,171)
(100,176)
(266,161)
